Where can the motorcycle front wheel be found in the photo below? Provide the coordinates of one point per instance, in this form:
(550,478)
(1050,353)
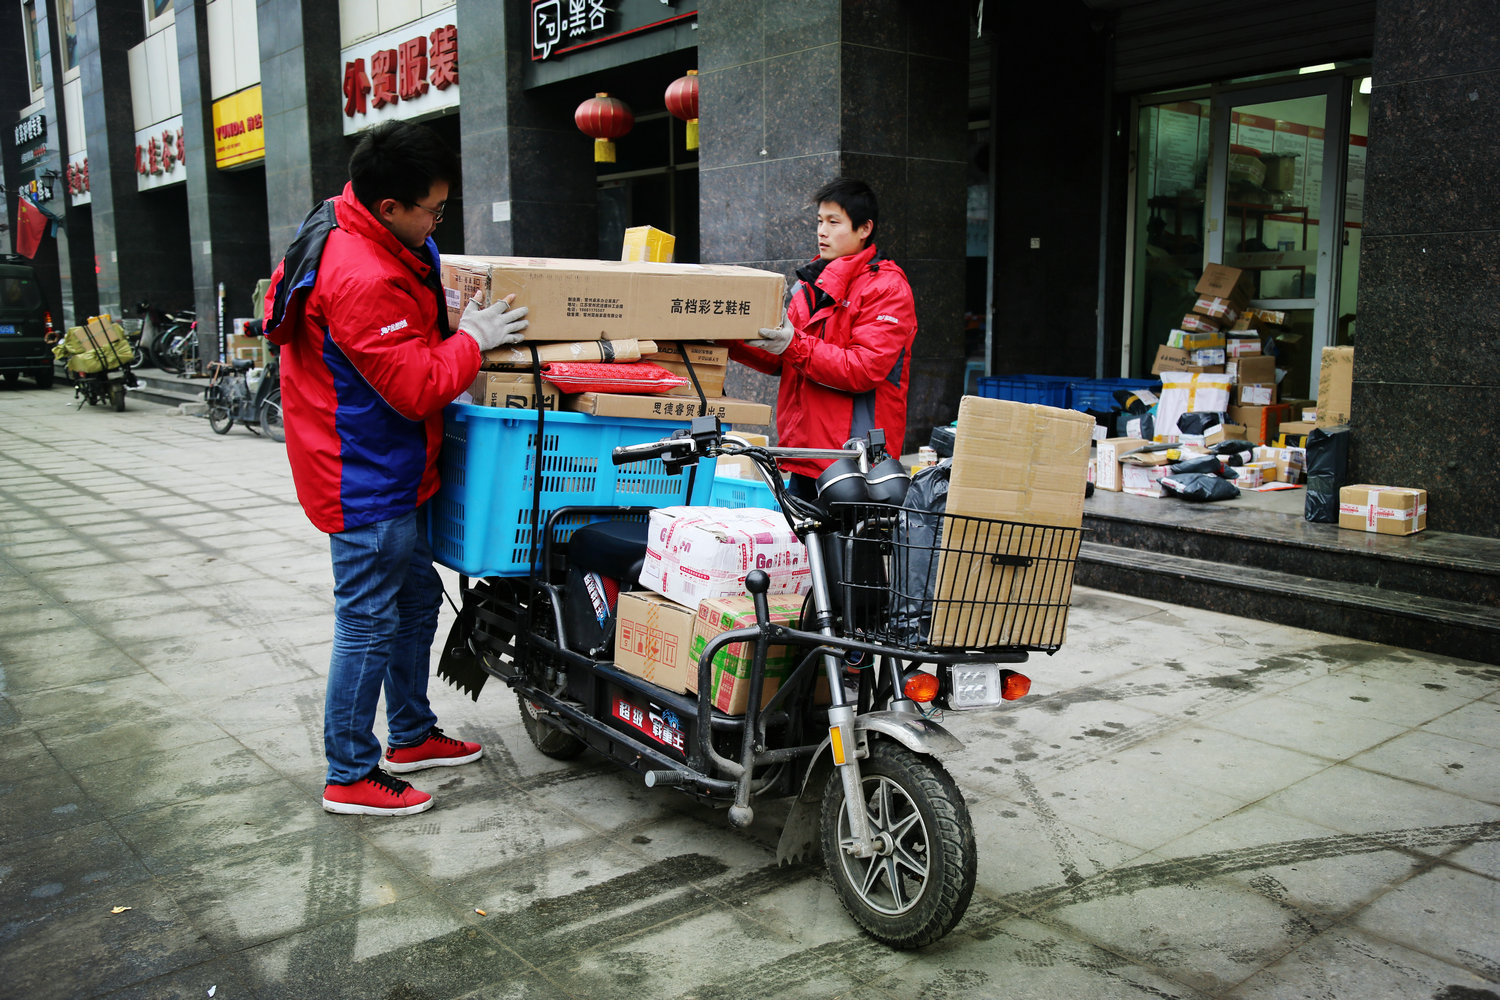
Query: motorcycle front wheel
(917,886)
(219,416)
(270,416)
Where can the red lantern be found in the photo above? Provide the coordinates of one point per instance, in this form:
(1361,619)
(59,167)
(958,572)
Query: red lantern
(682,101)
(603,118)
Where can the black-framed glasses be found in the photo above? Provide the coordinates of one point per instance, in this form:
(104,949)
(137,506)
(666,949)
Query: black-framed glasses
(437,213)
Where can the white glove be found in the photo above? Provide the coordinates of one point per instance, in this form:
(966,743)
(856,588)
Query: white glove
(494,326)
(775,341)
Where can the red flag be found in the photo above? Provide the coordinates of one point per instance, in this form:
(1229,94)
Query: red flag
(30,225)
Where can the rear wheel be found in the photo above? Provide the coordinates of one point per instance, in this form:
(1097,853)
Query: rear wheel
(43,377)
(548,739)
(219,417)
(270,416)
(917,885)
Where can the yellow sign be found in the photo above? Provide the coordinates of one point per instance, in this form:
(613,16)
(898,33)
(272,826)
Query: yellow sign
(239,129)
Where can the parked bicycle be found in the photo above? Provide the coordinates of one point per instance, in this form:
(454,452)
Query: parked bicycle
(239,392)
(159,329)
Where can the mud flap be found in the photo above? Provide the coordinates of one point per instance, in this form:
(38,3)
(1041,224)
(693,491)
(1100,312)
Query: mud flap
(800,835)
(459,665)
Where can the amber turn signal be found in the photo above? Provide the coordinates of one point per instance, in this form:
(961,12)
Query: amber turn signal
(921,687)
(1013,685)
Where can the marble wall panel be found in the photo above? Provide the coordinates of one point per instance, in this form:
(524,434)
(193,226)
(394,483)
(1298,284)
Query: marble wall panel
(1468,30)
(731,33)
(791,217)
(873,94)
(802,102)
(732,128)
(801,28)
(732,213)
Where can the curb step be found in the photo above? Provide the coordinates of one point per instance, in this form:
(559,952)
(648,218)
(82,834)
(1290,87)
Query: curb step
(1352,609)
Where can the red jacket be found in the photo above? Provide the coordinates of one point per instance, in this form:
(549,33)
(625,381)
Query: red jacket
(847,368)
(365,366)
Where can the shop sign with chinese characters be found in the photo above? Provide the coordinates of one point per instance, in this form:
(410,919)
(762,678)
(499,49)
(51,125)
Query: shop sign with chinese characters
(76,179)
(30,136)
(239,129)
(562,26)
(408,73)
(160,155)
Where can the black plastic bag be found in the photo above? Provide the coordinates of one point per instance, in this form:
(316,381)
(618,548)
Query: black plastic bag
(1327,470)
(1198,421)
(1232,447)
(1147,425)
(919,532)
(1207,464)
(1199,486)
(1130,402)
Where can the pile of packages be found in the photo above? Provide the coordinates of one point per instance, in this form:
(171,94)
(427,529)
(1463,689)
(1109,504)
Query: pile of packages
(618,338)
(99,345)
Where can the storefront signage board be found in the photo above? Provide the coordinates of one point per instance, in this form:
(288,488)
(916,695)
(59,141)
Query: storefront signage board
(239,129)
(408,73)
(160,155)
(559,27)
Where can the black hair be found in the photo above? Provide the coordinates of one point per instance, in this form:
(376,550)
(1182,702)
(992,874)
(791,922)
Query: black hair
(855,197)
(400,160)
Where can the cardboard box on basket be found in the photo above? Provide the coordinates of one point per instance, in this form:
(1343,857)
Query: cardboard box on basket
(1335,386)
(1387,510)
(646,407)
(710,377)
(1107,460)
(1013,462)
(696,553)
(239,347)
(697,353)
(512,390)
(731,665)
(614,300)
(653,639)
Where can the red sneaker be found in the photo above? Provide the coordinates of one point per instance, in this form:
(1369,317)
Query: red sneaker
(376,794)
(437,750)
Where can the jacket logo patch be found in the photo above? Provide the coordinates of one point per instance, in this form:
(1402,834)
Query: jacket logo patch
(400,324)
(887,319)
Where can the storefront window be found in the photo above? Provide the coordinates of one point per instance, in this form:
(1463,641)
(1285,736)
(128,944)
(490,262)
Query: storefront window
(33,50)
(67,36)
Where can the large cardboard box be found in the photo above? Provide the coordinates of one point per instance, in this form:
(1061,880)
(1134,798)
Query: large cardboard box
(1335,386)
(1256,368)
(1260,422)
(732,664)
(1014,462)
(653,639)
(1221,282)
(1388,510)
(696,553)
(1107,460)
(710,378)
(615,300)
(697,353)
(661,407)
(513,391)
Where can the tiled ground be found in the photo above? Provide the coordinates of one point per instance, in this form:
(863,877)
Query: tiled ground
(1190,805)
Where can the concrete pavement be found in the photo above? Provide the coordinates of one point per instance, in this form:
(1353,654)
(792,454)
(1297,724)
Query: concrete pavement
(1189,805)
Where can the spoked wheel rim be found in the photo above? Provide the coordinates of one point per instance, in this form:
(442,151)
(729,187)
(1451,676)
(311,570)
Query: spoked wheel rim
(893,881)
(270,417)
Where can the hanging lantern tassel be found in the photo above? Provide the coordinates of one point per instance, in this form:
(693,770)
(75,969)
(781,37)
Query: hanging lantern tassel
(682,101)
(603,118)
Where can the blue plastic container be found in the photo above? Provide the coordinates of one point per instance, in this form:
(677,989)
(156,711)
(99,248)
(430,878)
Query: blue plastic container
(1048,390)
(481,516)
(1098,394)
(730,491)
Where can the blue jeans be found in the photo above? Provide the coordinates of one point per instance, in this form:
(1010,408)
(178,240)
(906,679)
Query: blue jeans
(386,599)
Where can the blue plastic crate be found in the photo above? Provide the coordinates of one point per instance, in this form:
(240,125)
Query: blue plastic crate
(730,491)
(481,516)
(1049,390)
(1098,394)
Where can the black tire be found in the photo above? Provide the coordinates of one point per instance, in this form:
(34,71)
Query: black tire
(916,889)
(551,741)
(11,378)
(219,416)
(117,396)
(270,416)
(43,377)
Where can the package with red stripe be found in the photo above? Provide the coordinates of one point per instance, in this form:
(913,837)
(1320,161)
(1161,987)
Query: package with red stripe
(601,376)
(695,553)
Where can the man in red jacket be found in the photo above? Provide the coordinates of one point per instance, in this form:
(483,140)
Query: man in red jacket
(844,350)
(367,365)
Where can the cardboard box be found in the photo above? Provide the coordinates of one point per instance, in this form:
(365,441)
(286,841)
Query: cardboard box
(1260,422)
(661,407)
(1257,368)
(1281,171)
(1169,359)
(1335,386)
(1192,341)
(1221,282)
(1293,433)
(1206,357)
(581,300)
(1194,323)
(239,347)
(1255,394)
(710,378)
(513,391)
(647,243)
(697,353)
(1242,347)
(1017,462)
(1387,510)
(1220,309)
(697,553)
(575,350)
(1107,460)
(1143,480)
(653,639)
(1224,432)
(1253,474)
(732,664)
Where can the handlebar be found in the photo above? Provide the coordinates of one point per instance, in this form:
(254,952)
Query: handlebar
(625,454)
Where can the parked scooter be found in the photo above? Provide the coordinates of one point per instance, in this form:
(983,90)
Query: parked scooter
(852,731)
(238,391)
(99,359)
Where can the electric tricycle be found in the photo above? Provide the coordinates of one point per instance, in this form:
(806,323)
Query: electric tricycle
(911,612)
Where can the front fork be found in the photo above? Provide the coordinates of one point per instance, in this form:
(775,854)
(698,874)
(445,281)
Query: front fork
(842,740)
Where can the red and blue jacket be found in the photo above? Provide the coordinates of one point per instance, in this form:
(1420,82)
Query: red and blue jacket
(367,365)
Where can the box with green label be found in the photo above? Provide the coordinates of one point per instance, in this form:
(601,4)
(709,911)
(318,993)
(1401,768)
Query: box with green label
(731,666)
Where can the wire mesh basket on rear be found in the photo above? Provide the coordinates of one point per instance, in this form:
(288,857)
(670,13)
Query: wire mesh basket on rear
(922,580)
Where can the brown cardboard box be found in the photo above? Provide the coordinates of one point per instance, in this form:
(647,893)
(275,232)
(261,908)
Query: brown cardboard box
(615,404)
(1107,460)
(1257,368)
(512,390)
(239,347)
(576,350)
(1242,347)
(1224,432)
(1388,510)
(1223,282)
(1335,386)
(1143,480)
(1255,394)
(1016,462)
(732,664)
(710,377)
(1260,422)
(1169,359)
(654,638)
(697,353)
(615,300)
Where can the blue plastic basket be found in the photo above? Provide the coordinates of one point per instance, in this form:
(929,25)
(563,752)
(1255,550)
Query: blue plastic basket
(481,517)
(730,491)
(1049,390)
(1098,394)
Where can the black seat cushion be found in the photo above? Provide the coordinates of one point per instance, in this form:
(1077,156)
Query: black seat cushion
(615,549)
